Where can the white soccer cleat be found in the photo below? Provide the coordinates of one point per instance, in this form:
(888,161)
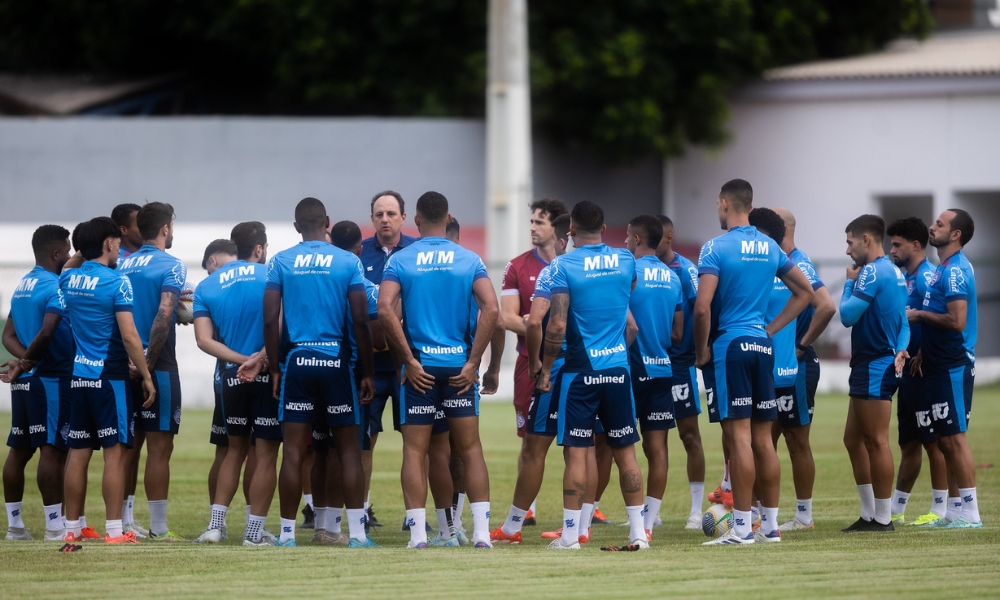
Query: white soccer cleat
(18,533)
(437,540)
(557,544)
(269,537)
(209,536)
(760,536)
(730,538)
(693,522)
(640,544)
(137,529)
(795,525)
(54,535)
(263,542)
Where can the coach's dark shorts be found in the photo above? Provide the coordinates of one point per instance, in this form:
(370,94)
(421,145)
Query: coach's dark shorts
(874,379)
(40,409)
(386,387)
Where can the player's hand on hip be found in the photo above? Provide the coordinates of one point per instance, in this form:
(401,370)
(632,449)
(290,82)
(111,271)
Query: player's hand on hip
(149,391)
(466,377)
(276,384)
(367,388)
(900,361)
(543,383)
(491,381)
(418,378)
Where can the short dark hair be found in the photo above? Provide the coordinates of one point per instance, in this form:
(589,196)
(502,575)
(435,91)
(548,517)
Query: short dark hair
(152,217)
(310,213)
(219,246)
(561,225)
(588,217)
(873,225)
(650,229)
(769,223)
(46,238)
(911,229)
(247,236)
(550,207)
(345,235)
(432,207)
(122,214)
(665,221)
(90,236)
(964,223)
(739,192)
(389,193)
(454,227)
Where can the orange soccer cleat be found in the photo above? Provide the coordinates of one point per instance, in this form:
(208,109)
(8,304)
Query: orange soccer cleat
(720,497)
(88,533)
(128,537)
(497,536)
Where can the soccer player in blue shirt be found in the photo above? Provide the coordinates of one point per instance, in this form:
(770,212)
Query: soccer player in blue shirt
(907,248)
(38,334)
(157,280)
(736,275)
(319,285)
(949,326)
(875,309)
(99,302)
(433,279)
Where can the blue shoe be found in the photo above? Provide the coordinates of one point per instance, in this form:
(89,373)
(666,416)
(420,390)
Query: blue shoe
(368,542)
(417,546)
(730,537)
(483,545)
(962,523)
(290,542)
(451,542)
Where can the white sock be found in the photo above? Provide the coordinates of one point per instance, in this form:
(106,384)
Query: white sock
(443,529)
(768,519)
(14,514)
(867,495)
(74,527)
(113,528)
(334,519)
(532,507)
(697,497)
(804,510)
(586,518)
(157,517)
(726,485)
(356,523)
(125,520)
(883,510)
(320,518)
(754,512)
(636,520)
(954,509)
(416,518)
(741,523)
(129,513)
(515,519)
(287,530)
(460,506)
(309,500)
(53,517)
(939,503)
(83,521)
(970,505)
(218,516)
(571,527)
(255,527)
(652,509)
(899,500)
(480,521)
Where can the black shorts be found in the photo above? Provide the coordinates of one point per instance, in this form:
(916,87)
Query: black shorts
(249,407)
(218,436)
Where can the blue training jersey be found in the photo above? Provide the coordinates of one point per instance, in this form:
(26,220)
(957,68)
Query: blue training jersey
(94,295)
(746,262)
(682,354)
(435,277)
(786,365)
(953,280)
(804,320)
(153,272)
(36,295)
(233,298)
(916,289)
(653,302)
(314,279)
(598,279)
(881,330)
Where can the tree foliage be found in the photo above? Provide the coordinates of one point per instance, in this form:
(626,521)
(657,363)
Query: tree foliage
(624,79)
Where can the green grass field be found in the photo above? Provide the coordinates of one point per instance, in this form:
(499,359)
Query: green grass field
(910,563)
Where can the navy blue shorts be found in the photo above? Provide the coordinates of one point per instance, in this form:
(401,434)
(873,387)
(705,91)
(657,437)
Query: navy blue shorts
(874,380)
(316,383)
(739,379)
(100,413)
(440,423)
(40,408)
(585,397)
(386,387)
(654,403)
(951,399)
(913,410)
(218,436)
(164,414)
(684,387)
(543,412)
(250,407)
(417,408)
(794,409)
(320,435)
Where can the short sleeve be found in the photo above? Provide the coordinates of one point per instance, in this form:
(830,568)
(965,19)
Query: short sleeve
(357,283)
(56,303)
(390,273)
(784,265)
(865,288)
(372,292)
(559,281)
(199,306)
(174,279)
(692,277)
(708,260)
(123,295)
(809,271)
(956,285)
(543,284)
(480,270)
(273,275)
(509,285)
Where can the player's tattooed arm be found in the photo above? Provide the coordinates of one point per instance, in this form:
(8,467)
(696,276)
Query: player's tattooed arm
(160,330)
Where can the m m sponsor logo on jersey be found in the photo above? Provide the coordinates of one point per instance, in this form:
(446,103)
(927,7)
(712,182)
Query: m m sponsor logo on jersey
(26,285)
(606,264)
(235,273)
(436,257)
(83,282)
(134,262)
(656,275)
(754,250)
(310,261)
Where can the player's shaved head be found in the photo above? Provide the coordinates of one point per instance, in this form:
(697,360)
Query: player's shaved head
(345,235)
(588,217)
(787,216)
(432,208)
(768,222)
(310,214)
(739,194)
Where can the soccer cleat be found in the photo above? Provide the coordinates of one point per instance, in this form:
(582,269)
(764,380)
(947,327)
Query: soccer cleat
(169,536)
(54,535)
(18,533)
(859,525)
(463,539)
(483,544)
(794,524)
(552,535)
(262,543)
(70,537)
(88,533)
(898,519)
(659,522)
(417,546)
(926,519)
(127,537)
(877,527)
(693,522)
(940,522)
(371,520)
(529,519)
(451,542)
(209,536)
(368,542)
(720,497)
(330,538)
(600,519)
(497,536)
(963,524)
(137,530)
(585,539)
(639,544)
(558,545)
(730,537)
(308,517)
(760,536)
(289,543)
